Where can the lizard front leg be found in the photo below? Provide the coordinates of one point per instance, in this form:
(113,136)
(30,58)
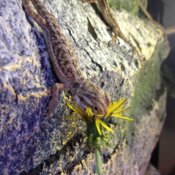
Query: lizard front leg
(56,90)
(146,13)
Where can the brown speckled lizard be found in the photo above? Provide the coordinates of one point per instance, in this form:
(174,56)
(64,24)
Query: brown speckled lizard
(104,8)
(64,62)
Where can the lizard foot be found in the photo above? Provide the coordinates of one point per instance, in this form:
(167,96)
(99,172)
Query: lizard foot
(56,90)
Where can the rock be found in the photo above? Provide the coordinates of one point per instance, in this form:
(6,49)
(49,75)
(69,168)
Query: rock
(33,143)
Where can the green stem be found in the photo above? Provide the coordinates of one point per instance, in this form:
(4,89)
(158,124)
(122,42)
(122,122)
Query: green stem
(98,161)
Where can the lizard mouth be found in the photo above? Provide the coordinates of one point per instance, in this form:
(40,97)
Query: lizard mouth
(86,102)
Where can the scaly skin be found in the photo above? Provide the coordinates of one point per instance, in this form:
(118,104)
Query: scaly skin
(104,8)
(64,62)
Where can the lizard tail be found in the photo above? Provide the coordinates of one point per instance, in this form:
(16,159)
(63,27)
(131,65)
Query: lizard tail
(40,8)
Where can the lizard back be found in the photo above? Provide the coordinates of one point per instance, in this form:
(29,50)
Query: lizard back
(63,58)
(64,62)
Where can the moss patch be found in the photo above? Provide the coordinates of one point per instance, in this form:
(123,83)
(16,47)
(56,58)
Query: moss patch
(128,5)
(148,81)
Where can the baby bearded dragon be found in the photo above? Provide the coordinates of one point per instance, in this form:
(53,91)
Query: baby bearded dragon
(104,8)
(64,62)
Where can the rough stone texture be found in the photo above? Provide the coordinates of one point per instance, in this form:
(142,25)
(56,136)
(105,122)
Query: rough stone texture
(33,143)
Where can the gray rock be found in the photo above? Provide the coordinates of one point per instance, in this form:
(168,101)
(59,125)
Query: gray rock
(33,143)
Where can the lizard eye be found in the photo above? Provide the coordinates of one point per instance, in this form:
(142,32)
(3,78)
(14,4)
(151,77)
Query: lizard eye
(96,109)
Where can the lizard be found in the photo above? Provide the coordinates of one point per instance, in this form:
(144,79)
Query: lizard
(104,9)
(164,31)
(65,63)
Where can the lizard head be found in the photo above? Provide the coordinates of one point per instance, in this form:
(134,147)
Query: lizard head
(87,94)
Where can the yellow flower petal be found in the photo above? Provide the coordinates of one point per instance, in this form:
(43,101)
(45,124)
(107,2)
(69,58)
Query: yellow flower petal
(100,122)
(75,109)
(122,117)
(117,105)
(106,126)
(98,126)
(100,115)
(121,110)
(89,112)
